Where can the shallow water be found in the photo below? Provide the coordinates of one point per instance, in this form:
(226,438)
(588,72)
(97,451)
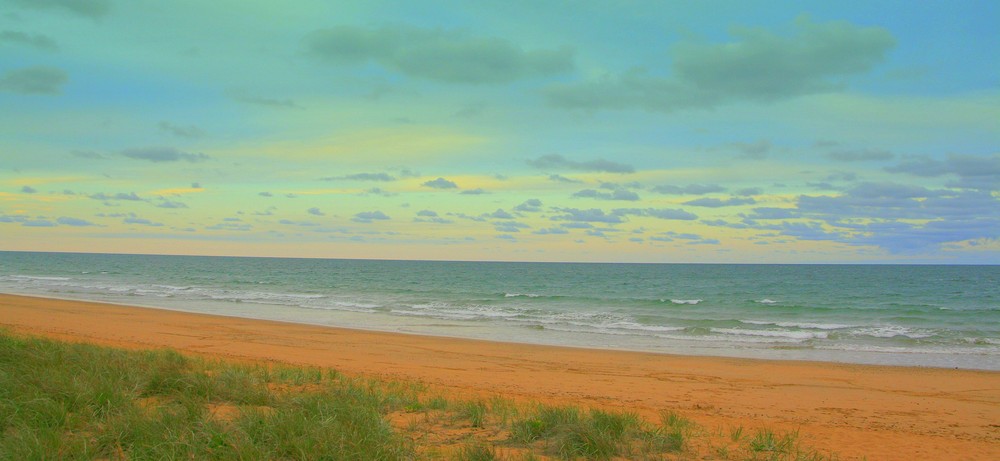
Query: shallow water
(947,316)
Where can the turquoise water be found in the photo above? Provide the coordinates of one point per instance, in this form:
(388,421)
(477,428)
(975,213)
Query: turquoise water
(947,316)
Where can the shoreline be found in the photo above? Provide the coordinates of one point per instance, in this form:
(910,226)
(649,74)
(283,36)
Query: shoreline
(882,412)
(434,330)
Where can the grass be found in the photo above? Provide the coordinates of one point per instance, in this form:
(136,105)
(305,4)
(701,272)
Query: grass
(77,401)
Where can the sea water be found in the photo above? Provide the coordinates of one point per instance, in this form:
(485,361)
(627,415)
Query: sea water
(941,316)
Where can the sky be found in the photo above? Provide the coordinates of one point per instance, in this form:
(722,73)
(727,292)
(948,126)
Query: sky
(624,131)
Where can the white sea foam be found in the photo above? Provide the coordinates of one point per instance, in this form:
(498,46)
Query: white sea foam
(803,325)
(521,295)
(783,334)
(892,331)
(686,301)
(767,301)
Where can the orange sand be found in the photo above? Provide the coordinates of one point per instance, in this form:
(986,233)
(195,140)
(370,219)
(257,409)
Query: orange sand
(882,413)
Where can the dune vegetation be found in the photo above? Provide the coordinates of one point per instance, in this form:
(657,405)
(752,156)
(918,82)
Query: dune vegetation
(79,401)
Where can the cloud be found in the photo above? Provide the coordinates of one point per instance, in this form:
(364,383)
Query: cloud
(561,178)
(863,155)
(440,183)
(88,8)
(434,54)
(383,177)
(431,216)
(189,131)
(510,226)
(476,191)
(973,172)
(131,196)
(38,223)
(717,203)
(551,230)
(163,154)
(34,80)
(757,65)
(171,204)
(37,41)
(29,190)
(75,222)
(690,189)
(669,213)
(501,214)
(897,217)
(315,211)
(587,216)
(265,194)
(558,162)
(616,194)
(141,221)
(369,216)
(530,206)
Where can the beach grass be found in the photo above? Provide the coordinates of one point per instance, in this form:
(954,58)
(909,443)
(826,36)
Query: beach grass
(77,401)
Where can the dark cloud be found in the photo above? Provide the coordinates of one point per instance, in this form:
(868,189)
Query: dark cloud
(757,66)
(440,183)
(88,8)
(189,131)
(36,41)
(558,162)
(265,194)
(427,213)
(369,216)
(476,191)
(383,177)
(434,54)
(29,190)
(718,203)
(34,80)
(163,154)
(973,172)
(315,211)
(864,155)
(690,189)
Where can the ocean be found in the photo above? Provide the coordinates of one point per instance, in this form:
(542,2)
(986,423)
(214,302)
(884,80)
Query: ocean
(938,316)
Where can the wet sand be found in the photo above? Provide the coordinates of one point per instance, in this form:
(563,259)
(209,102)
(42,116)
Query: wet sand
(878,412)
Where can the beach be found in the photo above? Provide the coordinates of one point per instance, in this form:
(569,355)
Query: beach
(877,412)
